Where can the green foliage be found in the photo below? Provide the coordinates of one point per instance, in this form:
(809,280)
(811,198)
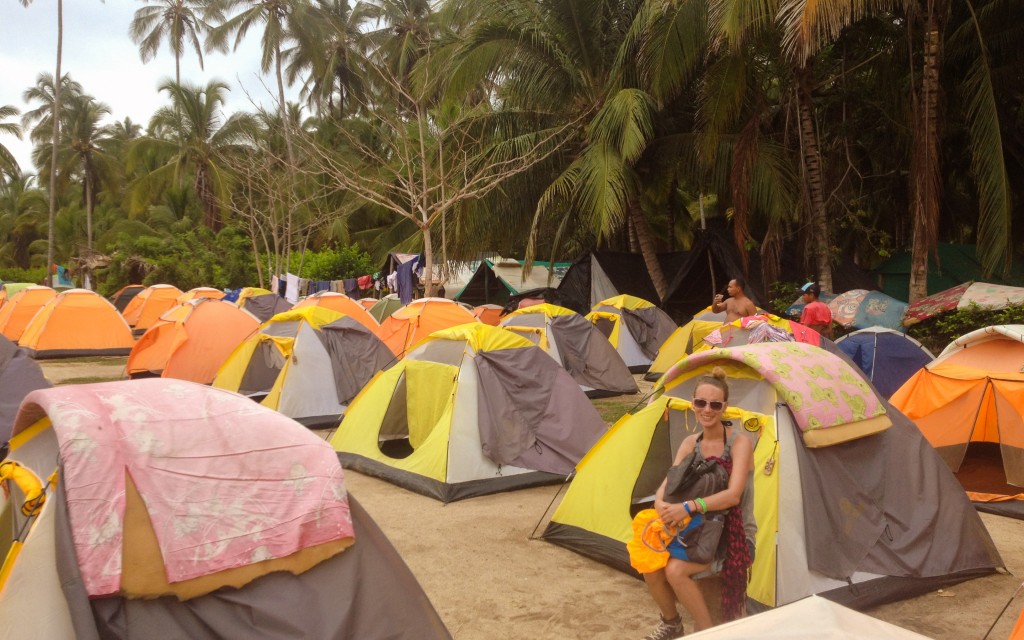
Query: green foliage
(334,264)
(781,294)
(935,333)
(14,274)
(195,258)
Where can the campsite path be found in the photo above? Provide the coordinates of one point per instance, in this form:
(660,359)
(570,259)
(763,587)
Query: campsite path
(487,579)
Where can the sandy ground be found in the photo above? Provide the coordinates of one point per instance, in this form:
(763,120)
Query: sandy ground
(488,579)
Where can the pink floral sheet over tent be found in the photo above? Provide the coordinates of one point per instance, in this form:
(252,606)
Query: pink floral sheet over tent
(226,482)
(821,390)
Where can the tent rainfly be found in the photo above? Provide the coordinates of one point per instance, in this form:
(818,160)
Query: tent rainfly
(635,327)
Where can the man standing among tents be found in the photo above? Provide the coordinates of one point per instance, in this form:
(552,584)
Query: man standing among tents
(738,305)
(816,313)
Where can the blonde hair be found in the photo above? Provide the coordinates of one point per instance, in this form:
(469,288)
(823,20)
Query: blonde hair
(716,379)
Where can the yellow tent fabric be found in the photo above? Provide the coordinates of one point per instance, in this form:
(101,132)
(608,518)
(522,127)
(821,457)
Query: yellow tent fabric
(429,387)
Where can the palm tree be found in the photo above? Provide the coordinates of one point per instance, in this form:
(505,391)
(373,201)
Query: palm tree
(84,152)
(330,52)
(8,163)
(22,215)
(196,142)
(812,25)
(180,22)
(55,139)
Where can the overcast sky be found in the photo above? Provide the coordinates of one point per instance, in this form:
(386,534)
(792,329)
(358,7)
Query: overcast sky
(100,55)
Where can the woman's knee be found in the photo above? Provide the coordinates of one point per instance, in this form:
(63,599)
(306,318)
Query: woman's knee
(680,569)
(655,577)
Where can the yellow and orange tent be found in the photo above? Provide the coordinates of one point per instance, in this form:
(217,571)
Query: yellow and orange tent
(148,306)
(191,341)
(969,404)
(420,318)
(9,289)
(77,322)
(19,310)
(342,304)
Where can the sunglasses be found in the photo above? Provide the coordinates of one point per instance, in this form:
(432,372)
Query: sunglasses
(701,403)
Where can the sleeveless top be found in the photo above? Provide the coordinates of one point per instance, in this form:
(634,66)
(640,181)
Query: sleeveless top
(747,500)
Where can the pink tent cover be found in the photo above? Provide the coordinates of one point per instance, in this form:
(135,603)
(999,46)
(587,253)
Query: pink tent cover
(226,482)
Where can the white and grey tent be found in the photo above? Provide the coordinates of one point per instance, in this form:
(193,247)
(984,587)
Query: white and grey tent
(470,411)
(635,327)
(308,363)
(19,374)
(577,345)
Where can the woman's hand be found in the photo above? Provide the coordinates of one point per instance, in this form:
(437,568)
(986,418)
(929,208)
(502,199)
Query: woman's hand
(673,514)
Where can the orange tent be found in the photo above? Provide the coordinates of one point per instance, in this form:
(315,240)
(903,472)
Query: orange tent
(200,292)
(191,341)
(77,322)
(19,310)
(489,313)
(148,306)
(969,404)
(342,304)
(419,319)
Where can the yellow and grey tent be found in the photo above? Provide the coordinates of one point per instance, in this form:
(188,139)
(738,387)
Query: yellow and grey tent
(847,493)
(471,410)
(306,363)
(682,341)
(635,327)
(161,508)
(261,303)
(577,345)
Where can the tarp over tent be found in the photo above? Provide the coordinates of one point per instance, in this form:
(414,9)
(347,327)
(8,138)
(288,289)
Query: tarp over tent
(888,358)
(845,506)
(177,488)
(147,307)
(19,310)
(470,411)
(577,345)
(969,404)
(496,279)
(381,309)
(307,363)
(694,276)
(861,308)
(962,296)
(635,327)
(77,322)
(191,341)
(19,375)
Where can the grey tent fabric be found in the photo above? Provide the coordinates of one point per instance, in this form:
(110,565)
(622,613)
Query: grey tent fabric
(356,355)
(19,374)
(532,414)
(264,367)
(650,328)
(266,306)
(589,358)
(365,592)
(883,516)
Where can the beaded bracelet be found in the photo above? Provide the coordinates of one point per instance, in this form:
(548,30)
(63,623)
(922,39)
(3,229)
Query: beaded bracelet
(703,505)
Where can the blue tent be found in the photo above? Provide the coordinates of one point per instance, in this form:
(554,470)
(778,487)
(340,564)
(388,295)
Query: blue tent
(887,357)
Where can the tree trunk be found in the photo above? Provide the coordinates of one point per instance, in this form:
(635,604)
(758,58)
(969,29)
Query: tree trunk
(926,184)
(88,210)
(811,160)
(646,241)
(428,262)
(56,141)
(287,130)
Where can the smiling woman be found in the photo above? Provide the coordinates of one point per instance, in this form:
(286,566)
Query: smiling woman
(99,54)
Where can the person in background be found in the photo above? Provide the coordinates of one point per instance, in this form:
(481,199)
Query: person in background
(816,313)
(738,304)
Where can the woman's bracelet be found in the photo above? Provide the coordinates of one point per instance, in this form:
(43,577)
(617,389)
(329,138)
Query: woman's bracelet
(703,505)
(686,505)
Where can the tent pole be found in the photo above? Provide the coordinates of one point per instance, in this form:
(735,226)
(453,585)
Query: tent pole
(1005,607)
(565,483)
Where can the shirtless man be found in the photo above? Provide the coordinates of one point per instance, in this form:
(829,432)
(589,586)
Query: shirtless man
(738,305)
